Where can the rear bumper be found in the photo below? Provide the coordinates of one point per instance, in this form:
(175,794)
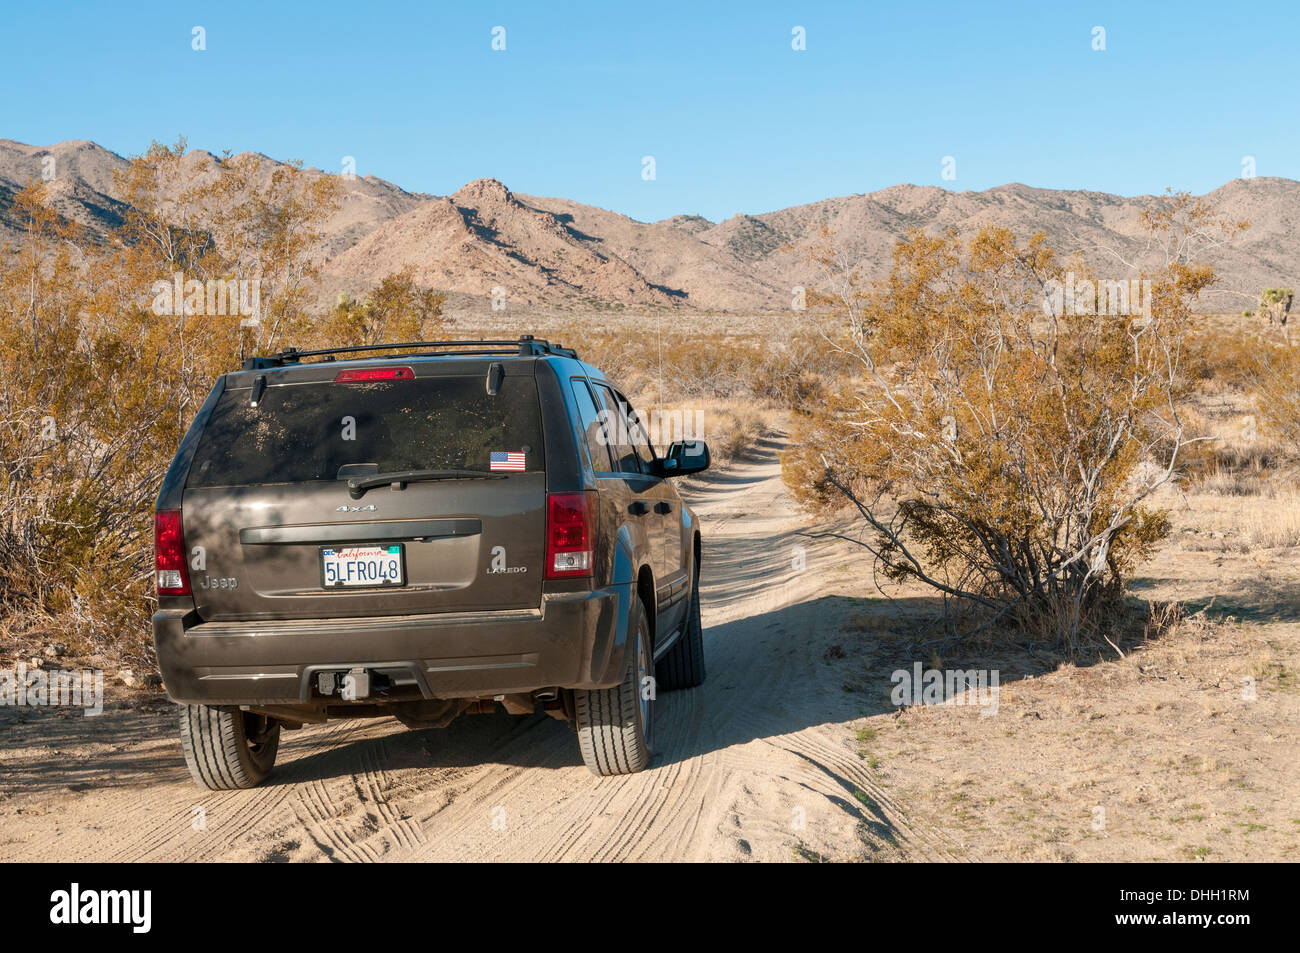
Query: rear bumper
(576,640)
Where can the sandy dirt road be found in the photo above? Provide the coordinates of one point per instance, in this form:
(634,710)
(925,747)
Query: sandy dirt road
(757,763)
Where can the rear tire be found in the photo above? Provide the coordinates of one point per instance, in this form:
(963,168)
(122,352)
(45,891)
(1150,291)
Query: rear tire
(615,725)
(683,665)
(226,748)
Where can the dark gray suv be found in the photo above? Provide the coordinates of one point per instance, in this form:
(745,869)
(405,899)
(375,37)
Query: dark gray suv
(422,530)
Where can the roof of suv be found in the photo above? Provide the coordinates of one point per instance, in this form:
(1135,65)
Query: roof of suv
(526,346)
(292,364)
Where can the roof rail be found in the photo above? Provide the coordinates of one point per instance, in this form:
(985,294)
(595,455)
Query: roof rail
(525,346)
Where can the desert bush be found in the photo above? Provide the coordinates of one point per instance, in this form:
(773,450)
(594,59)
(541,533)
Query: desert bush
(1275,375)
(396,310)
(102,369)
(998,454)
(1252,375)
(80,426)
(1218,359)
(729,389)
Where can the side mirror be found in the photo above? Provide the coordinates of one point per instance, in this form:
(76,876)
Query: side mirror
(684,457)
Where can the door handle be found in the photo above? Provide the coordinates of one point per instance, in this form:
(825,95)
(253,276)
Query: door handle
(639,508)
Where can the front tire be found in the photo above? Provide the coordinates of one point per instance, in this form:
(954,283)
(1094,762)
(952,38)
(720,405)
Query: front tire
(227,749)
(615,725)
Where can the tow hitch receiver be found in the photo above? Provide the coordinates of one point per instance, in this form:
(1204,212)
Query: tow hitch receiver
(356,684)
(351,685)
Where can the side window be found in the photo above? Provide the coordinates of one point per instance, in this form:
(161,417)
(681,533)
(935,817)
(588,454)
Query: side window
(593,431)
(639,439)
(626,459)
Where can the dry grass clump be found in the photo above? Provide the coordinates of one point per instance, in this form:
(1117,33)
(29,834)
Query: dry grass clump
(1233,473)
(1236,458)
(734,427)
(1268,519)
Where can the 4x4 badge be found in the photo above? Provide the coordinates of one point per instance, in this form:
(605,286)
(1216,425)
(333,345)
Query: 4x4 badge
(354,509)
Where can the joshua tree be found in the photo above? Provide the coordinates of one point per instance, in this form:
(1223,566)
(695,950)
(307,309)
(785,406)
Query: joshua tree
(1276,304)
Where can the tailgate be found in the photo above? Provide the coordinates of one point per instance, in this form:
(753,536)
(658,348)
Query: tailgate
(274,533)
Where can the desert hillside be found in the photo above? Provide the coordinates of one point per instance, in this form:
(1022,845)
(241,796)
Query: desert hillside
(559,252)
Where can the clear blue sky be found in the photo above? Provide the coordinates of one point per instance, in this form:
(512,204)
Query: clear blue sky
(736,120)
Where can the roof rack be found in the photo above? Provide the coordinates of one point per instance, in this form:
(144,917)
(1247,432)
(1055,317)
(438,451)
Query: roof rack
(525,346)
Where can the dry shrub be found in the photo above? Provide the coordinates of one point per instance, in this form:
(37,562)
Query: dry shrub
(397,310)
(83,422)
(1221,359)
(98,383)
(995,456)
(1276,376)
(1234,455)
(1263,366)
(1261,442)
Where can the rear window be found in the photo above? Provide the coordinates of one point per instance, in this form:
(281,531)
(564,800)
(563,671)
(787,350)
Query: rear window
(301,432)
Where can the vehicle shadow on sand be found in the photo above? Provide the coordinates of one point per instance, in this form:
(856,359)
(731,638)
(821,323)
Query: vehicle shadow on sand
(770,675)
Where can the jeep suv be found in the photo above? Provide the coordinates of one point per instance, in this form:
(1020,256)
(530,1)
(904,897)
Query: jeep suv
(422,530)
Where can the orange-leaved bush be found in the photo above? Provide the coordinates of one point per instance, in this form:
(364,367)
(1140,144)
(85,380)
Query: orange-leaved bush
(109,343)
(999,449)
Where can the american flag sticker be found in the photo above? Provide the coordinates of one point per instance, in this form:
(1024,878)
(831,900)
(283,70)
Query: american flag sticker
(499,460)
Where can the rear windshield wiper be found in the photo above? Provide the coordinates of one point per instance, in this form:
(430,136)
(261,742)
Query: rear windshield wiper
(357,486)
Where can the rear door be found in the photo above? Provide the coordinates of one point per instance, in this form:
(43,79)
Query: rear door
(653,499)
(273,531)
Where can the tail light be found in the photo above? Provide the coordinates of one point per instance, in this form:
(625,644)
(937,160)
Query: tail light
(570,534)
(170,572)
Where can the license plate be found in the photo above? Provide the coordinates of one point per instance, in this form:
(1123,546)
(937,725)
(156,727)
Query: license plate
(361,566)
